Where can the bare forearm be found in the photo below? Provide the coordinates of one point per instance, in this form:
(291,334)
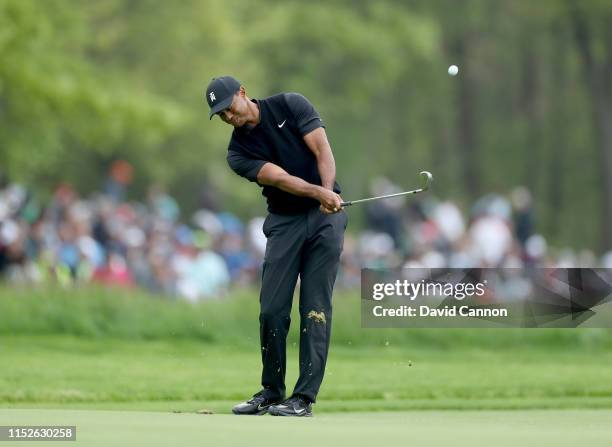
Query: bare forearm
(319,145)
(272,175)
(327,169)
(297,186)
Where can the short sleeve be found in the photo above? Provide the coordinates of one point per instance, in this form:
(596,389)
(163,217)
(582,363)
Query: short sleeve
(306,117)
(244,166)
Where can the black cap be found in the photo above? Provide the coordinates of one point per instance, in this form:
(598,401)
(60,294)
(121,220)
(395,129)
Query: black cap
(220,93)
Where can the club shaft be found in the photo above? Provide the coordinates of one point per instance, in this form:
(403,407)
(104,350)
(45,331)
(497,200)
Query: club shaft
(352,202)
(428,179)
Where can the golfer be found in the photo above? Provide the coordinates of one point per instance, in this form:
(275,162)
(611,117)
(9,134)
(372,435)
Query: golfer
(280,143)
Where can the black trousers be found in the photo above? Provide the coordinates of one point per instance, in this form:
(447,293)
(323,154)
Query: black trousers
(308,245)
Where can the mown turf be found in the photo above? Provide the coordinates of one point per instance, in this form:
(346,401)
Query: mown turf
(105,348)
(432,428)
(63,371)
(65,353)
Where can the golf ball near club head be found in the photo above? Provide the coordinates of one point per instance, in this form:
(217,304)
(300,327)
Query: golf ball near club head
(453,70)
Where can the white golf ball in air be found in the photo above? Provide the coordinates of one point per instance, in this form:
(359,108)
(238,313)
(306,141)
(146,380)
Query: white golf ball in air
(453,70)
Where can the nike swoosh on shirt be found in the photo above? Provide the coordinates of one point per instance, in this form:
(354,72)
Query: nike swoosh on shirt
(281,124)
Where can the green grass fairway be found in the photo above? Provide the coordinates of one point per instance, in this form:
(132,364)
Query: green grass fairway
(69,372)
(133,371)
(540,428)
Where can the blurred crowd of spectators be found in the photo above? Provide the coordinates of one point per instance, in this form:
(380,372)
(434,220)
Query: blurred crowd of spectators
(108,240)
(497,231)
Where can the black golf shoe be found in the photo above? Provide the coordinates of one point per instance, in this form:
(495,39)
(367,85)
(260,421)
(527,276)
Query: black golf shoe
(294,406)
(258,405)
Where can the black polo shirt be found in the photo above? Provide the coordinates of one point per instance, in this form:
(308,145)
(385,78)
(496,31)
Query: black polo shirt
(279,138)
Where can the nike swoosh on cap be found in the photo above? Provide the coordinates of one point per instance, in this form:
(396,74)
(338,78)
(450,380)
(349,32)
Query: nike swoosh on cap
(281,124)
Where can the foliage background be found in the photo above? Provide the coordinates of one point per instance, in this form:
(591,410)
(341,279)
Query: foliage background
(85,83)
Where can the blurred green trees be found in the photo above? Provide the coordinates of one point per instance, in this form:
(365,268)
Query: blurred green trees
(84,83)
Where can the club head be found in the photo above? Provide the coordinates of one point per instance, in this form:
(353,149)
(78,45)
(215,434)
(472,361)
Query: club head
(428,179)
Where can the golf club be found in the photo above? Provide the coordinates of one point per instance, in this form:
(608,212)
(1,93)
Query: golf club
(428,180)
